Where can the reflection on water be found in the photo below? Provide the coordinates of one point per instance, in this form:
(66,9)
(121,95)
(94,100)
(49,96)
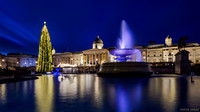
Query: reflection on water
(44,93)
(166,89)
(68,87)
(87,92)
(73,87)
(2,93)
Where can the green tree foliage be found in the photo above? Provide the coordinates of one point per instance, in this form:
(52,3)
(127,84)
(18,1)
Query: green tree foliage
(44,62)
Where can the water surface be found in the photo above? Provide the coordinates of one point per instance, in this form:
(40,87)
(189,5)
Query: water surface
(90,93)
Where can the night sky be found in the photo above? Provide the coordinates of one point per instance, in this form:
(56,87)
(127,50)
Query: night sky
(74,24)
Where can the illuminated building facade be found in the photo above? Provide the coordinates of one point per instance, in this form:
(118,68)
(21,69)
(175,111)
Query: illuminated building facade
(68,59)
(20,60)
(2,61)
(166,52)
(91,57)
(152,53)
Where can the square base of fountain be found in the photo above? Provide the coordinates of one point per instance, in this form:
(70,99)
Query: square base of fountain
(125,69)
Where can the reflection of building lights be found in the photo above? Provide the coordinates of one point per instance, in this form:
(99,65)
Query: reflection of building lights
(61,78)
(25,63)
(3,60)
(67,65)
(35,61)
(144,57)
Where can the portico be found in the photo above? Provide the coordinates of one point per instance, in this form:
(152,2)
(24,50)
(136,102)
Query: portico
(95,56)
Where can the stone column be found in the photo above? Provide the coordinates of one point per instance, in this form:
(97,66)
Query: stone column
(194,56)
(102,57)
(86,59)
(98,58)
(95,59)
(92,58)
(105,57)
(85,62)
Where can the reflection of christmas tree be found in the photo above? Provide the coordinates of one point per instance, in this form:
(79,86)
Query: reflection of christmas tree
(44,62)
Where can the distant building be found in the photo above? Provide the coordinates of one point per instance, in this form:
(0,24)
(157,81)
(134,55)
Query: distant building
(20,60)
(2,61)
(152,53)
(166,52)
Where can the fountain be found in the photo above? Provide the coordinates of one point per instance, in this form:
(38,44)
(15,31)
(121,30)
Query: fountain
(125,65)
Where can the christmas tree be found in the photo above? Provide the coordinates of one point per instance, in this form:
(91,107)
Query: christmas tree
(44,62)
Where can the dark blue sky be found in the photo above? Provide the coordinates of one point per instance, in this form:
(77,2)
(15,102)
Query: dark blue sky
(74,24)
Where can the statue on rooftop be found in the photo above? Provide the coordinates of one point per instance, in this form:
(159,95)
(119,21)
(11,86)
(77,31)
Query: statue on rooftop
(182,43)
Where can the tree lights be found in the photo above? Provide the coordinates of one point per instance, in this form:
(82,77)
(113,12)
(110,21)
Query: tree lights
(44,62)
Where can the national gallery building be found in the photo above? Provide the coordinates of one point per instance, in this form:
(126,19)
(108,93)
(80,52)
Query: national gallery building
(90,57)
(152,53)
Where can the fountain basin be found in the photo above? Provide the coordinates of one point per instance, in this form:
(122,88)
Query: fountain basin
(123,52)
(125,69)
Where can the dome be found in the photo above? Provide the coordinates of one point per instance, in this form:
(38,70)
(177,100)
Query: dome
(98,43)
(98,40)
